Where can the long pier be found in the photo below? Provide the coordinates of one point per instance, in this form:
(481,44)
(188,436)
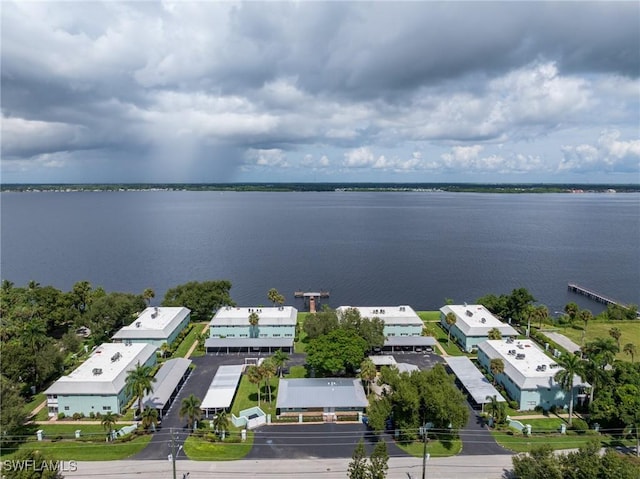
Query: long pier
(589,293)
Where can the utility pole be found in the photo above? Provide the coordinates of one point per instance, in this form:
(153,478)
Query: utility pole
(424,451)
(173,453)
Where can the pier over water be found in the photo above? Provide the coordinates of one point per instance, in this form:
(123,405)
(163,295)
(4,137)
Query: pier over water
(589,293)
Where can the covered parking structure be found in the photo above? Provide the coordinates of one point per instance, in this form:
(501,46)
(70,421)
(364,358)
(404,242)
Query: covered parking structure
(478,387)
(169,379)
(248,345)
(409,343)
(222,389)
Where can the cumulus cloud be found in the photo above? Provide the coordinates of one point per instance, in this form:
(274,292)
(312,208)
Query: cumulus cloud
(609,153)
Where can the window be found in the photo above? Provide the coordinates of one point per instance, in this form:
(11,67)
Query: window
(106,408)
(66,408)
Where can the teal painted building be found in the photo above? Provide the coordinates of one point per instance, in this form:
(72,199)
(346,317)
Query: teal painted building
(155,326)
(398,320)
(472,326)
(98,384)
(233,322)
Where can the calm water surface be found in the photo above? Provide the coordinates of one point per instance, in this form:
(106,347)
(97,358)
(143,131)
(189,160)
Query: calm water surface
(366,248)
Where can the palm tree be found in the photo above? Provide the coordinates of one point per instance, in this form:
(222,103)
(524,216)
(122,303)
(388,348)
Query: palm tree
(542,313)
(254,374)
(280,358)
(268,370)
(108,421)
(497,367)
(585,316)
(630,349)
(496,408)
(571,310)
(572,366)
(190,408)
(494,333)
(164,349)
(139,382)
(148,294)
(275,297)
(450,319)
(616,334)
(253,321)
(605,349)
(368,373)
(149,418)
(595,374)
(221,423)
(34,335)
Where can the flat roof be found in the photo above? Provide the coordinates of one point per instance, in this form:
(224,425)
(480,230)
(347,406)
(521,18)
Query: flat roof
(410,341)
(472,379)
(277,316)
(248,343)
(476,320)
(403,315)
(407,368)
(320,393)
(223,387)
(526,373)
(105,371)
(383,360)
(154,323)
(167,380)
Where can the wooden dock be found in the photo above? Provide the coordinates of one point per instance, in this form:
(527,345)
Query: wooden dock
(311,294)
(589,293)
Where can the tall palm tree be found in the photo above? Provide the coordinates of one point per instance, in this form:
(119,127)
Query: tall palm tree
(542,313)
(148,294)
(280,358)
(585,316)
(368,373)
(571,310)
(108,421)
(164,349)
(494,333)
(572,366)
(149,418)
(190,408)
(605,349)
(253,321)
(254,375)
(496,408)
(630,349)
(497,367)
(595,374)
(221,423)
(616,334)
(268,370)
(139,382)
(450,319)
(34,335)
(275,297)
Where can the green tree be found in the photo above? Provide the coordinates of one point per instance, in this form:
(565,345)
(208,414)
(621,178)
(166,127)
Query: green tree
(340,350)
(379,461)
(571,366)
(275,297)
(149,418)
(12,414)
(368,372)
(190,409)
(35,457)
(630,349)
(540,463)
(320,323)
(139,382)
(603,350)
(221,424)
(629,407)
(616,334)
(148,294)
(378,412)
(542,314)
(280,358)
(497,367)
(34,336)
(497,409)
(268,370)
(372,331)
(495,334)
(358,465)
(450,319)
(253,322)
(571,310)
(81,296)
(202,298)
(519,304)
(254,375)
(585,316)
(108,420)
(110,312)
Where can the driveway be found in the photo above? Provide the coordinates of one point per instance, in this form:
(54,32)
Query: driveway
(476,438)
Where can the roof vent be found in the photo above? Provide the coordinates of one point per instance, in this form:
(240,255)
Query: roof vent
(469,313)
(97,371)
(483,320)
(115,357)
(138,324)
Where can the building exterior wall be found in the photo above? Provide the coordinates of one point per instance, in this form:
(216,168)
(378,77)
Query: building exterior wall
(159,341)
(260,331)
(402,330)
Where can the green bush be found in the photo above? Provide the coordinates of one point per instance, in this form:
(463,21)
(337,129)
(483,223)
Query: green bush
(77,416)
(61,415)
(579,425)
(514,404)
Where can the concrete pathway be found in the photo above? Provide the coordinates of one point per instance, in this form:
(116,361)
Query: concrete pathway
(563,341)
(195,344)
(476,438)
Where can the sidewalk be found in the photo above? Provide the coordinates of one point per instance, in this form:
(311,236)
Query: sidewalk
(195,344)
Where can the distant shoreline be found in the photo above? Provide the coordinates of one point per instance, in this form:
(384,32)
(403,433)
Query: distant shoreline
(509,188)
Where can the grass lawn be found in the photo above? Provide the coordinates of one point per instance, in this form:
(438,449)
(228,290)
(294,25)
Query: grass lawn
(67,431)
(600,329)
(441,336)
(199,449)
(520,443)
(435,448)
(551,424)
(429,316)
(70,450)
(35,402)
(188,341)
(296,372)
(299,345)
(247,396)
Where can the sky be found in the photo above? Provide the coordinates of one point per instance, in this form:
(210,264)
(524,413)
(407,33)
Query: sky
(311,91)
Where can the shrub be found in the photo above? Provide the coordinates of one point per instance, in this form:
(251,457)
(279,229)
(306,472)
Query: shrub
(61,415)
(579,425)
(92,415)
(514,404)
(76,416)
(553,409)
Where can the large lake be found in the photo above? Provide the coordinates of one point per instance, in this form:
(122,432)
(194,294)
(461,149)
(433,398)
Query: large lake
(365,248)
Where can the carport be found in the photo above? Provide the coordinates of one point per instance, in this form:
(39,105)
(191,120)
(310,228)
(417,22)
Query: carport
(169,379)
(473,380)
(248,345)
(222,389)
(392,343)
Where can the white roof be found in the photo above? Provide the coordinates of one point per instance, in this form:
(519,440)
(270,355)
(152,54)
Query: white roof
(167,380)
(320,392)
(476,320)
(472,379)
(105,371)
(525,372)
(383,360)
(223,387)
(154,323)
(404,315)
(278,316)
